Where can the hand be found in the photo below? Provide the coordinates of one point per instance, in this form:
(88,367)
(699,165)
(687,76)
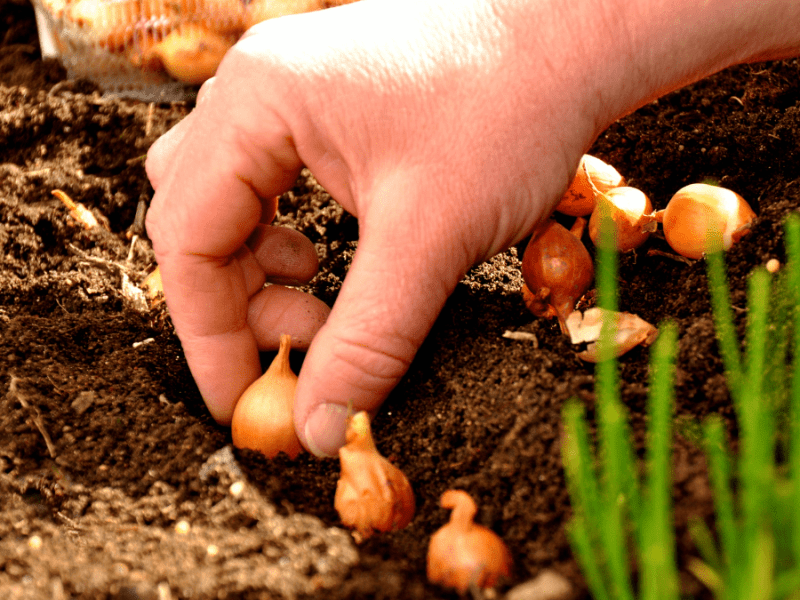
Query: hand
(449,128)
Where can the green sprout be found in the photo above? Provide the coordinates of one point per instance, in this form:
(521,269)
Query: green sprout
(622,519)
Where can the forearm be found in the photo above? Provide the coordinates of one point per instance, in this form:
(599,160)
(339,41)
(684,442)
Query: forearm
(630,52)
(678,42)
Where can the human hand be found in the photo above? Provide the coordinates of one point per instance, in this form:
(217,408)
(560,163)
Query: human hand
(449,128)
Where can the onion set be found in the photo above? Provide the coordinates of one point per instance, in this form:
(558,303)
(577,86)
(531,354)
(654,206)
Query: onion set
(630,211)
(701,215)
(190,54)
(557,270)
(463,553)
(371,494)
(263,418)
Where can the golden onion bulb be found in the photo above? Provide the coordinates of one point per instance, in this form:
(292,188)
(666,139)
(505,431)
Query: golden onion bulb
(699,214)
(629,210)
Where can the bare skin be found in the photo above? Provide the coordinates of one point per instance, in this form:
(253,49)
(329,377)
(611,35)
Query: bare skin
(450,128)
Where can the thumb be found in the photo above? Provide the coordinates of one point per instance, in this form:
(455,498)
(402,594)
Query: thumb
(396,286)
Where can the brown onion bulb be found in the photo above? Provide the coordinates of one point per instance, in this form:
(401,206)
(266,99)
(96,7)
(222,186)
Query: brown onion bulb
(630,211)
(263,418)
(463,553)
(190,54)
(593,176)
(371,494)
(557,270)
(698,213)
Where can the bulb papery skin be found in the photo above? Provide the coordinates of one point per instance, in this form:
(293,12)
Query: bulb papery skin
(630,211)
(698,213)
(579,199)
(557,270)
(462,553)
(371,494)
(263,417)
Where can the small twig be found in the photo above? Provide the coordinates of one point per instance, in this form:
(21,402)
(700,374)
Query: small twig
(137,227)
(36,172)
(67,84)
(134,239)
(675,257)
(136,160)
(522,336)
(148,126)
(50,379)
(94,259)
(69,522)
(35,415)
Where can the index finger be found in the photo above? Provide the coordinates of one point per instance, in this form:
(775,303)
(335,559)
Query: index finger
(233,153)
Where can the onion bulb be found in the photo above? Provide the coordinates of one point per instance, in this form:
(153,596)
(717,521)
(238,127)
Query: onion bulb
(698,213)
(463,553)
(593,176)
(190,54)
(557,270)
(371,494)
(263,418)
(629,210)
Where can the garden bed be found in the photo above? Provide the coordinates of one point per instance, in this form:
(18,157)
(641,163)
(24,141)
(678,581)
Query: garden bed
(114,480)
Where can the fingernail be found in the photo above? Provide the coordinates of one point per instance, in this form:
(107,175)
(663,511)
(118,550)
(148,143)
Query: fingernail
(325,429)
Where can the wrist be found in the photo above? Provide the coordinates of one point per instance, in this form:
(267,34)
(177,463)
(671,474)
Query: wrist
(671,43)
(630,52)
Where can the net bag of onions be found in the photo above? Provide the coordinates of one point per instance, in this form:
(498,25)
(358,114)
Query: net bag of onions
(152,50)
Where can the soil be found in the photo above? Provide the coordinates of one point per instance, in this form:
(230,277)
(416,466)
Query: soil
(116,483)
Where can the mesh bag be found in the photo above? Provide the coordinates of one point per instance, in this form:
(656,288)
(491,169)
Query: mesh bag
(152,50)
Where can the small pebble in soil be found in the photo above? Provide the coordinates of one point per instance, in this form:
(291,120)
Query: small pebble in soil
(35,542)
(547,585)
(182,527)
(773,264)
(236,489)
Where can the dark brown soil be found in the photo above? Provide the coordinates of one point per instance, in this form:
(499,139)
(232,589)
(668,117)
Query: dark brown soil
(107,451)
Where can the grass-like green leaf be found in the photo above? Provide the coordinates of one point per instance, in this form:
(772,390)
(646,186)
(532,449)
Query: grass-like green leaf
(659,572)
(724,323)
(793,284)
(719,464)
(616,515)
(620,521)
